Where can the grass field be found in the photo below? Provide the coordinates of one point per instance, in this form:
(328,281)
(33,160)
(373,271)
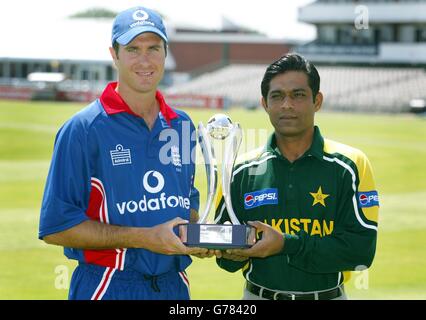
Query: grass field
(395,145)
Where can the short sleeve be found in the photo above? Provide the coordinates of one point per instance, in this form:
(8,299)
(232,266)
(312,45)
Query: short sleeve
(67,189)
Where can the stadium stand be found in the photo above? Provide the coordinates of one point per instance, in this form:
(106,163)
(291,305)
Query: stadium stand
(237,83)
(359,89)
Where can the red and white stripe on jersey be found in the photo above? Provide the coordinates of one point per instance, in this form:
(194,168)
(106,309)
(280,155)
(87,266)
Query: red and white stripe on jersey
(98,210)
(119,258)
(102,212)
(104,284)
(185,280)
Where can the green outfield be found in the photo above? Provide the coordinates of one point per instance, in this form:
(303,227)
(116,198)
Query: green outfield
(395,145)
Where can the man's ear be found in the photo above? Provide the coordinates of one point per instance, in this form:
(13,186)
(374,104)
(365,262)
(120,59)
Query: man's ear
(318,101)
(113,54)
(264,104)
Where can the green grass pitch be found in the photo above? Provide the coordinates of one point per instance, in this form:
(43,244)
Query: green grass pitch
(395,145)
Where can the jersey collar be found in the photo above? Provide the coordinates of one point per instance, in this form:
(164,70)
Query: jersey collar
(316,149)
(113,103)
(317,146)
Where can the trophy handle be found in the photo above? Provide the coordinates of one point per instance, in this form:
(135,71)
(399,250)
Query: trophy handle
(230,155)
(211,169)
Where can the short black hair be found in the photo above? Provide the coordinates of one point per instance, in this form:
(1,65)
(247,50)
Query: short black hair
(291,62)
(116,46)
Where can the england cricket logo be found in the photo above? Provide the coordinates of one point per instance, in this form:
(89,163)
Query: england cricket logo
(140,15)
(176,157)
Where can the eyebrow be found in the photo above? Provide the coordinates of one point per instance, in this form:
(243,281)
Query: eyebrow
(293,90)
(275,91)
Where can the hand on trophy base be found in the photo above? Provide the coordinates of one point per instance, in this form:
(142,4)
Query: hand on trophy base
(217,236)
(270,243)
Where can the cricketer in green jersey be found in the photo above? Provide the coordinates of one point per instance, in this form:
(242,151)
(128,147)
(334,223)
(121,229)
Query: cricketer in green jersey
(313,201)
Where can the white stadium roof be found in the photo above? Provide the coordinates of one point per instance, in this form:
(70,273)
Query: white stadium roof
(83,40)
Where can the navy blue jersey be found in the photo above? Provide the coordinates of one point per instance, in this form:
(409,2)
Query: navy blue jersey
(108,166)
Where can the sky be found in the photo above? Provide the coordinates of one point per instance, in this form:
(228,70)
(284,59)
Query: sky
(275,18)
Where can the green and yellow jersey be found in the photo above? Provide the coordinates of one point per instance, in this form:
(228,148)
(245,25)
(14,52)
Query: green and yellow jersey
(325,203)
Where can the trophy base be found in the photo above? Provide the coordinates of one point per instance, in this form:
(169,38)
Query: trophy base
(217,236)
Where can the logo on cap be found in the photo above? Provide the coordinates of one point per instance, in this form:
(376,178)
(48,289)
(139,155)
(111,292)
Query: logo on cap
(134,21)
(140,15)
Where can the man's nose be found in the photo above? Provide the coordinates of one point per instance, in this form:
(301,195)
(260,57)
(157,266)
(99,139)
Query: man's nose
(286,103)
(144,57)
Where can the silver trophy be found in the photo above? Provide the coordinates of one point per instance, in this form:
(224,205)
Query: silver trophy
(219,236)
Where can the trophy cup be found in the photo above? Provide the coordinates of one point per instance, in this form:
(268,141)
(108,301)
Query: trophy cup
(218,236)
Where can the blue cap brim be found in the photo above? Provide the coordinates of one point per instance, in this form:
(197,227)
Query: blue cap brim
(127,37)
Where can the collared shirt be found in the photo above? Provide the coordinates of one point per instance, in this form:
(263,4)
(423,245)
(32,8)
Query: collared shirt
(108,166)
(113,103)
(325,203)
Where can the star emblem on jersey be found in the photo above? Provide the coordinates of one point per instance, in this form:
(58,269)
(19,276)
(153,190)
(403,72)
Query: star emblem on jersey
(319,197)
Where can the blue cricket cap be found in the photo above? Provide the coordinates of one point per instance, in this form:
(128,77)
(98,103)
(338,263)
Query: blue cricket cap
(134,21)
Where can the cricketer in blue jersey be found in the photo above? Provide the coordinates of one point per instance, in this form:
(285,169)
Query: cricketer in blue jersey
(122,178)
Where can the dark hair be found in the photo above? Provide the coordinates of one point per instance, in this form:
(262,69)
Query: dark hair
(116,46)
(291,62)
